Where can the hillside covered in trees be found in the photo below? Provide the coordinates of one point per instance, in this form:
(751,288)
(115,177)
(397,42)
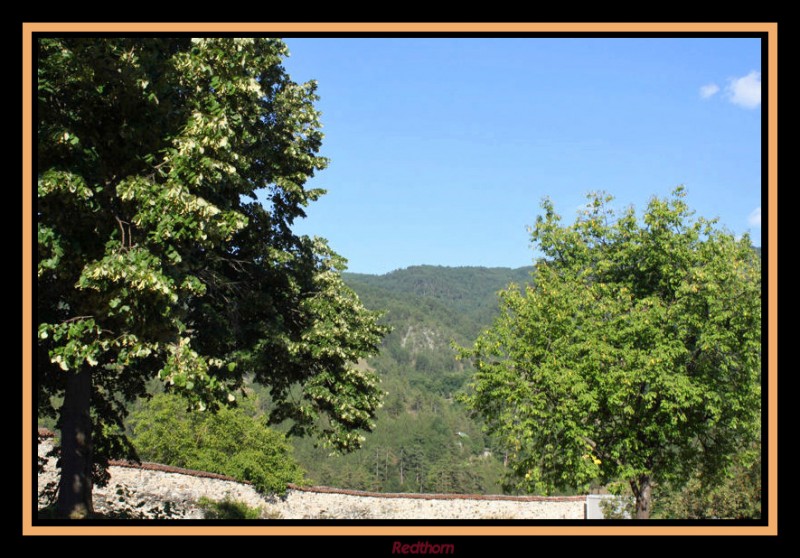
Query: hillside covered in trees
(424,441)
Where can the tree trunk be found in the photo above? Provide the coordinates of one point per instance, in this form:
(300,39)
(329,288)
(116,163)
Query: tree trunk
(643,491)
(75,487)
(402,458)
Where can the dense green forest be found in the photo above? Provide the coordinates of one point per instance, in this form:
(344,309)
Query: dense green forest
(424,441)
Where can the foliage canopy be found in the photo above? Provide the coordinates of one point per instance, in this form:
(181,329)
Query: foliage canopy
(634,355)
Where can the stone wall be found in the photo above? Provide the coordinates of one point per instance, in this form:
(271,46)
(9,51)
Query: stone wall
(159,491)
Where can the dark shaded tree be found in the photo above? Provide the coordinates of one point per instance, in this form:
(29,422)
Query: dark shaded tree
(170,172)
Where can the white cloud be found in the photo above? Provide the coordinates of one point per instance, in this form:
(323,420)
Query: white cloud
(755,217)
(745,91)
(708,91)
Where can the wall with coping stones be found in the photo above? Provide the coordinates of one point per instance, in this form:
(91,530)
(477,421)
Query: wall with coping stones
(148,487)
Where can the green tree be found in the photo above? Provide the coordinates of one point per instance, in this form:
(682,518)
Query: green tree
(230,442)
(449,477)
(634,357)
(157,259)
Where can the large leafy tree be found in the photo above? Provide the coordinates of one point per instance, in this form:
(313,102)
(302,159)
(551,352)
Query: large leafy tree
(635,355)
(157,257)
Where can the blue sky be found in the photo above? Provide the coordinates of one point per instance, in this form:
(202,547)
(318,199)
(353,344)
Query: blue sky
(442,149)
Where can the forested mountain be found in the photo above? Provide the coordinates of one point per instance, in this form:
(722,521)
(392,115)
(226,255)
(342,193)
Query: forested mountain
(424,440)
(462,298)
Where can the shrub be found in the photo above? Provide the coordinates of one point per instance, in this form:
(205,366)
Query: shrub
(227,509)
(229,442)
